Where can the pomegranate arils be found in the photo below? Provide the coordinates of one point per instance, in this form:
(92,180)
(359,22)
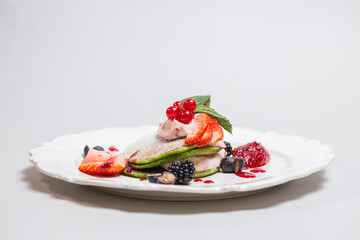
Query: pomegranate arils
(254,154)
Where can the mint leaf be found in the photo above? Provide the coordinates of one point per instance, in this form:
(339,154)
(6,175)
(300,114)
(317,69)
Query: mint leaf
(200,100)
(223,121)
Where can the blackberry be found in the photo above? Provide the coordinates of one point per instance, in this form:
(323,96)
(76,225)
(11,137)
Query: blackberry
(228,148)
(183,170)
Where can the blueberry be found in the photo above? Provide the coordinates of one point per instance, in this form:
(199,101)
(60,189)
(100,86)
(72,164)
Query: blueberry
(152,178)
(232,164)
(86,150)
(239,164)
(227,165)
(166,178)
(99,148)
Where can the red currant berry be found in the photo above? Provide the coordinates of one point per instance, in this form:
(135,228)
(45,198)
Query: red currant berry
(179,105)
(172,112)
(185,116)
(190,104)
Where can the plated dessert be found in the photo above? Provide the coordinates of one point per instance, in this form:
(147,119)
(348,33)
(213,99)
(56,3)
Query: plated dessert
(186,147)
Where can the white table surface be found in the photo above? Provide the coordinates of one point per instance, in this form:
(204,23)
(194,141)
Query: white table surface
(286,66)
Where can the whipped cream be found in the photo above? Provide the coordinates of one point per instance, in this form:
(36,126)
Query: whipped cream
(173,129)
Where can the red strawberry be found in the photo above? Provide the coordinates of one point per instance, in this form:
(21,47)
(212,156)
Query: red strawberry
(198,128)
(103,163)
(206,138)
(218,133)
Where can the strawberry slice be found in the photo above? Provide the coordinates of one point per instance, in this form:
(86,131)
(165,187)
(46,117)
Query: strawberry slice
(218,133)
(198,128)
(206,138)
(103,163)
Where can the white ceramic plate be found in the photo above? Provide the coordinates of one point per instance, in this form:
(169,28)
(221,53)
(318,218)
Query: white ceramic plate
(292,157)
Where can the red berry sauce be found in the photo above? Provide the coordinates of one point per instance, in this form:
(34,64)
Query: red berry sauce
(257,170)
(143,179)
(197,180)
(208,182)
(113,149)
(245,175)
(254,154)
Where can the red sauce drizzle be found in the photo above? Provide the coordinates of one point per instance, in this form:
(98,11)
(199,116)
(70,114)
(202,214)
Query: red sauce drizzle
(197,180)
(113,149)
(245,175)
(208,182)
(142,179)
(257,170)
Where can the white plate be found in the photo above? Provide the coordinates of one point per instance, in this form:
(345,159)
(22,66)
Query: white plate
(292,157)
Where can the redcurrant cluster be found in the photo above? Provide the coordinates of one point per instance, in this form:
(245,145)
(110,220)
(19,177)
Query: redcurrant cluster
(183,112)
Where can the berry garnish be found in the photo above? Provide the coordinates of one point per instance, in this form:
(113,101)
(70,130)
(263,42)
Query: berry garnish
(172,112)
(103,163)
(183,170)
(228,148)
(254,154)
(206,138)
(198,128)
(99,148)
(232,164)
(86,150)
(185,116)
(179,105)
(152,178)
(218,133)
(164,178)
(190,105)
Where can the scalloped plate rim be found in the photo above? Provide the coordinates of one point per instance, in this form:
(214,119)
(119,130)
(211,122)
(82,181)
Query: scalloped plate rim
(208,189)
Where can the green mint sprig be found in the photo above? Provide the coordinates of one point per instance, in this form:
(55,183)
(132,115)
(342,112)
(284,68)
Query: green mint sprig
(203,106)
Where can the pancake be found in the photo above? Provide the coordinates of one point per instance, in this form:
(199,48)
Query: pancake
(203,163)
(151,154)
(188,154)
(143,173)
(151,148)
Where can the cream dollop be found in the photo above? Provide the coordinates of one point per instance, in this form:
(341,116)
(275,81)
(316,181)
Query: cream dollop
(173,129)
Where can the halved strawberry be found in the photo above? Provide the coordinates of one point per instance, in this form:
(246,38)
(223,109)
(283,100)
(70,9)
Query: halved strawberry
(218,133)
(198,128)
(103,163)
(206,138)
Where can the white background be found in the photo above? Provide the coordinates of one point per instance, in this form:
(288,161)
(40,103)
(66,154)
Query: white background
(286,66)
